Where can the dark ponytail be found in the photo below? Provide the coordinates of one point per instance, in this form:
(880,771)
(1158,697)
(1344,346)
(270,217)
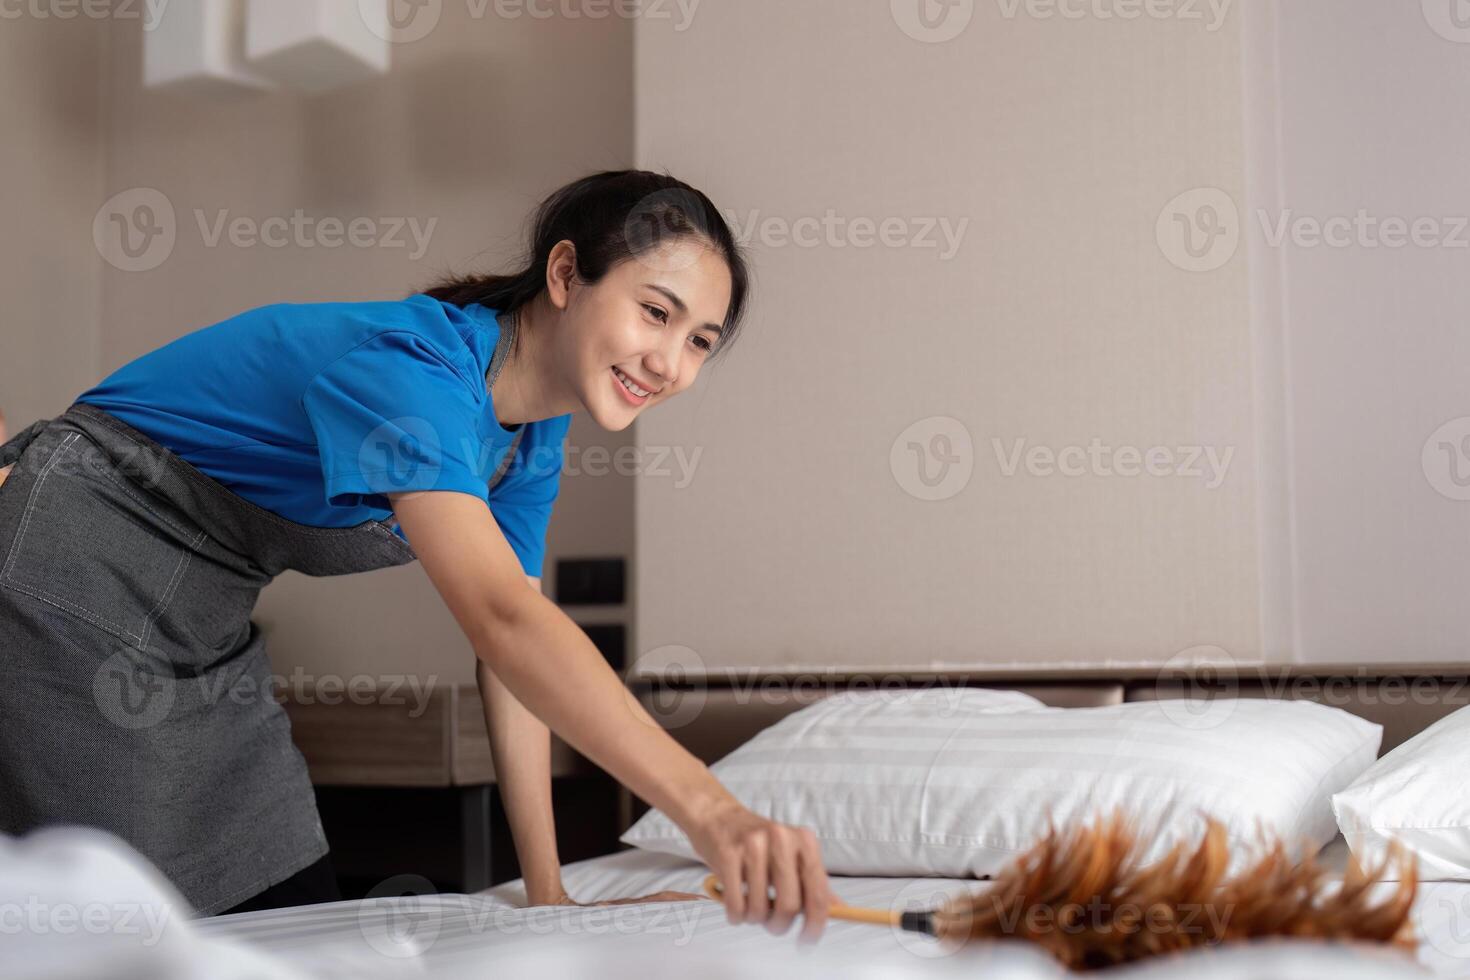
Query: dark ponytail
(609,217)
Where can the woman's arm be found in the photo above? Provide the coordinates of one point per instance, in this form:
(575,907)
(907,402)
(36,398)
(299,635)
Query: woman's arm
(520,743)
(552,668)
(521,746)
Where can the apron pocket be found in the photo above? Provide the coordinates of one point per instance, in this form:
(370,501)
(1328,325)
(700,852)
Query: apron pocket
(93,545)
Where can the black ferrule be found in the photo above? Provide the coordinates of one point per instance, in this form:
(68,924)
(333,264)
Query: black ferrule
(918,922)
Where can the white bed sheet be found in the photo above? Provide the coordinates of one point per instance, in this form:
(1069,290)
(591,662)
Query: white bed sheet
(490,934)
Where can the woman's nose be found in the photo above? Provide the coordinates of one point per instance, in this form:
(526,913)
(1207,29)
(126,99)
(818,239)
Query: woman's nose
(662,370)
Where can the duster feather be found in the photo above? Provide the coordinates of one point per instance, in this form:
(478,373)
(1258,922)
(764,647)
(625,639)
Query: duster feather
(1084,897)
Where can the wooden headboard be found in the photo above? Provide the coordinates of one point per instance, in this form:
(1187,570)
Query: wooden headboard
(711,714)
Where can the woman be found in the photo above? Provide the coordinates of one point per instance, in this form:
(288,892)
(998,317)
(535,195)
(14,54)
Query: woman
(137,530)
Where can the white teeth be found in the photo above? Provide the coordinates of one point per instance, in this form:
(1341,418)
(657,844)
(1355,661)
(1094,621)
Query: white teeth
(630,385)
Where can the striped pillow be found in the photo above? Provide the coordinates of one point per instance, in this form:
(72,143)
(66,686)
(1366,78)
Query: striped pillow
(958,782)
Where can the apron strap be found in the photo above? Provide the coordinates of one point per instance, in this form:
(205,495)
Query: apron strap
(507,459)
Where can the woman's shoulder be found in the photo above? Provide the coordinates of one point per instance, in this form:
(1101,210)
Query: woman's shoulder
(418,313)
(414,323)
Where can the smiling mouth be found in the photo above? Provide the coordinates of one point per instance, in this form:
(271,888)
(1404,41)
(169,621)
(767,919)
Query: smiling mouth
(636,395)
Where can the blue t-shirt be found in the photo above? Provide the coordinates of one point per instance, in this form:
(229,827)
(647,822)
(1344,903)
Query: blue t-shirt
(316,411)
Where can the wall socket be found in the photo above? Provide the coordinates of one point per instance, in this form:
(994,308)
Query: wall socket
(590,581)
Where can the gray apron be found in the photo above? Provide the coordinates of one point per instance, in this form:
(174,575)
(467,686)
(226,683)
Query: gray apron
(135,692)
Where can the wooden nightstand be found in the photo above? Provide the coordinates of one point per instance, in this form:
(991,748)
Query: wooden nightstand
(406,784)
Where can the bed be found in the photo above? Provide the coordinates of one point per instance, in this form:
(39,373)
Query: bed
(491,933)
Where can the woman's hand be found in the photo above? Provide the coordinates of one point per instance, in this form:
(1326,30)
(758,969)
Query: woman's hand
(750,855)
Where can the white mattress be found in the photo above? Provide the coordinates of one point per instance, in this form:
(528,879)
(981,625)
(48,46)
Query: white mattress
(490,934)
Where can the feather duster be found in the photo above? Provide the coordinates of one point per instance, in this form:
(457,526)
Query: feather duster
(1085,897)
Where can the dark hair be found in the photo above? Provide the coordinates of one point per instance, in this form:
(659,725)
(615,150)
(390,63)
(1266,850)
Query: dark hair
(609,217)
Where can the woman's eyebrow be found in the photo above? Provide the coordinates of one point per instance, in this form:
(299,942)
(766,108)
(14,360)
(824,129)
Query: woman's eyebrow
(679,304)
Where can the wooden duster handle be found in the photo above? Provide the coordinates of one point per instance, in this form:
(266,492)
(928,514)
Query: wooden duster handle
(913,922)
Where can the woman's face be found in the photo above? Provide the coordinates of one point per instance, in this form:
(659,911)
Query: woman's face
(651,321)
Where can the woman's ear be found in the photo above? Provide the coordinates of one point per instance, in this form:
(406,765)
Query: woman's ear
(561,271)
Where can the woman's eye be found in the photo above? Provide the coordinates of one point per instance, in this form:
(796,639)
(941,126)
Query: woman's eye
(657,312)
(703,344)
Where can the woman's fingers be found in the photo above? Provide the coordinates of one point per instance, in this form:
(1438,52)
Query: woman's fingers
(752,856)
(757,901)
(786,877)
(816,889)
(734,890)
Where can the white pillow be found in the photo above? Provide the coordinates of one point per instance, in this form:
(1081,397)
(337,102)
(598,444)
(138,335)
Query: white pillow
(1416,794)
(959,782)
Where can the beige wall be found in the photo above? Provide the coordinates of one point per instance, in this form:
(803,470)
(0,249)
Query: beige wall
(1058,320)
(51,175)
(1361,114)
(475,124)
(1056,144)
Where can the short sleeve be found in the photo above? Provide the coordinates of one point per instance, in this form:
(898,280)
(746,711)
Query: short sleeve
(394,415)
(522,501)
